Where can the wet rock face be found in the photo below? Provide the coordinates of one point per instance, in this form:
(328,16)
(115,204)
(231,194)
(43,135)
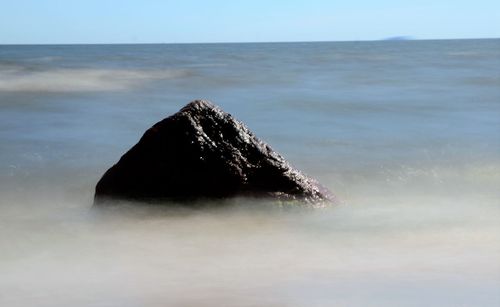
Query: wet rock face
(203,152)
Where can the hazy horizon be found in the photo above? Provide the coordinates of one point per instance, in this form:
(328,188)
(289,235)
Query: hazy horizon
(395,38)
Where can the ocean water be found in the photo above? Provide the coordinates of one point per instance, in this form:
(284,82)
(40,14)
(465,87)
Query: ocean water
(406,134)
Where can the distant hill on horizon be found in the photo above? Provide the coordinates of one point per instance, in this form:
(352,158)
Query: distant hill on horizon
(399,38)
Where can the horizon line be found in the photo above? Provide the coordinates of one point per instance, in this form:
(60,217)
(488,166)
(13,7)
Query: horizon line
(388,39)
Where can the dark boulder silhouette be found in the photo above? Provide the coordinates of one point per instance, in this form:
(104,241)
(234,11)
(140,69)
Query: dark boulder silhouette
(201,152)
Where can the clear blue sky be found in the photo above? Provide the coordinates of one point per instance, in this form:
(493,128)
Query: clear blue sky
(182,21)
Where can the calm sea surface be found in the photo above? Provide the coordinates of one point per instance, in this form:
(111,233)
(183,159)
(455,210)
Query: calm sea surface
(405,133)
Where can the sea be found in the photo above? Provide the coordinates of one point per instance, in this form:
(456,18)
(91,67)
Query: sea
(406,135)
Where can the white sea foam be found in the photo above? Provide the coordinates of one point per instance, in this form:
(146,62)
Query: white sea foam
(406,245)
(389,251)
(79,79)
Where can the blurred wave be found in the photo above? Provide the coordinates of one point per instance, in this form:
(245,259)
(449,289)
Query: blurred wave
(394,249)
(13,79)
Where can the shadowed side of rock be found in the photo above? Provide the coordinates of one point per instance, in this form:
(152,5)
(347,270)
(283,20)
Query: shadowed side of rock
(203,152)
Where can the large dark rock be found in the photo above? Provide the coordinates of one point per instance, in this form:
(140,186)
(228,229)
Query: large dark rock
(203,152)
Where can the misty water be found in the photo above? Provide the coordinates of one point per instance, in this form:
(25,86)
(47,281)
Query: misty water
(406,134)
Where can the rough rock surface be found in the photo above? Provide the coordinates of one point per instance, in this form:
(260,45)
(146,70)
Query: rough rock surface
(203,152)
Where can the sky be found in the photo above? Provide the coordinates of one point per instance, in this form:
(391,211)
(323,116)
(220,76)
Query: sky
(190,21)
